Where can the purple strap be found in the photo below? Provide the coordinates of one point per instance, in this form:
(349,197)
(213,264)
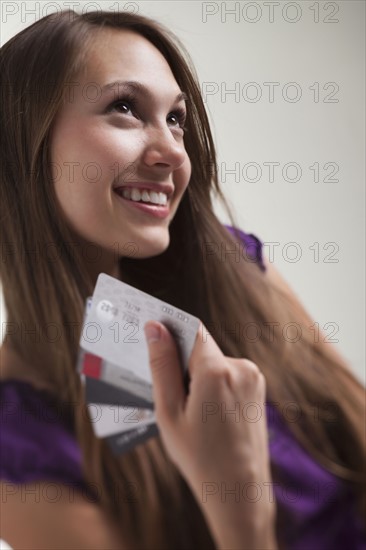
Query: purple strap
(253,246)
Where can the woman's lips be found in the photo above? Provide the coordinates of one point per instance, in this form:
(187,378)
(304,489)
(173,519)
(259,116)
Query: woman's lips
(156,210)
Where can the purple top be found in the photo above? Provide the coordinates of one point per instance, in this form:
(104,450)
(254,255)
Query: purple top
(36,439)
(316,510)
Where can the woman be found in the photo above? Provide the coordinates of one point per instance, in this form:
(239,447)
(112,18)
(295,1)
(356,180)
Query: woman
(96,102)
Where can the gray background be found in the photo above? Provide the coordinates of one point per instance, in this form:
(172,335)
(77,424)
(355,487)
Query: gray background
(298,69)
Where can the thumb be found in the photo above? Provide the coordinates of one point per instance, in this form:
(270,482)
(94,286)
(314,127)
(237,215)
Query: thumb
(167,375)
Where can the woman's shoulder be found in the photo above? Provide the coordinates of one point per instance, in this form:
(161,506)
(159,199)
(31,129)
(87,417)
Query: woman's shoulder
(37,441)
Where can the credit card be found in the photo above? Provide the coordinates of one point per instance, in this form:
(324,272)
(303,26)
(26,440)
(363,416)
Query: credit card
(113,328)
(99,391)
(122,384)
(114,361)
(108,424)
(126,441)
(110,420)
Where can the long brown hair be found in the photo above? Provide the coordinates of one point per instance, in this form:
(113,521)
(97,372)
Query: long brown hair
(45,284)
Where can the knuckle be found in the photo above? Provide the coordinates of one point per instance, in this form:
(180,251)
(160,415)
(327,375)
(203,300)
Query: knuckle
(251,372)
(250,365)
(220,370)
(216,374)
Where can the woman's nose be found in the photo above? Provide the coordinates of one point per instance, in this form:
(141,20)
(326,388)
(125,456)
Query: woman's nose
(162,148)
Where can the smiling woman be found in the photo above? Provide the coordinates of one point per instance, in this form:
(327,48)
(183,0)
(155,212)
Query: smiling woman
(133,135)
(113,148)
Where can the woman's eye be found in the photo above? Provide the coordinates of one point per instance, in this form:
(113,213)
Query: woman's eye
(174,119)
(127,106)
(177,119)
(121,105)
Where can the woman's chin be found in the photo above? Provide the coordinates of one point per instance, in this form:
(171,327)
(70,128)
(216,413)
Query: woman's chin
(151,245)
(154,250)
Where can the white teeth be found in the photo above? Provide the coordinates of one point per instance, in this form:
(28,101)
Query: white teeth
(163,199)
(126,193)
(154,197)
(135,195)
(146,196)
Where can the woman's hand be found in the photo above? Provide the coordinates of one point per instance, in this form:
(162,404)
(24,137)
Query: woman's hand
(209,437)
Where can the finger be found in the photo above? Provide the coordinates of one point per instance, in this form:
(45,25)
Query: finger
(206,353)
(167,373)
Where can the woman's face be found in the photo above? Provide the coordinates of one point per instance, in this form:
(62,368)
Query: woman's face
(125,135)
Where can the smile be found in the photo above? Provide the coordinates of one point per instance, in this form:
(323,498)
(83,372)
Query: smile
(156,210)
(143,195)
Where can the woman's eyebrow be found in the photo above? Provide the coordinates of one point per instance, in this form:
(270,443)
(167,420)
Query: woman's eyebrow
(118,86)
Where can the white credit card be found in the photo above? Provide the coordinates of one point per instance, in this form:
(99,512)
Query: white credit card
(117,408)
(120,400)
(110,420)
(113,328)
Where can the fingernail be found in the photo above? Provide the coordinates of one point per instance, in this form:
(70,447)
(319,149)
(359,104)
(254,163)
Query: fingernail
(152,333)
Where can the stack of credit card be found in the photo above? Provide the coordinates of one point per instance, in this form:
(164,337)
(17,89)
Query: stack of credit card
(114,359)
